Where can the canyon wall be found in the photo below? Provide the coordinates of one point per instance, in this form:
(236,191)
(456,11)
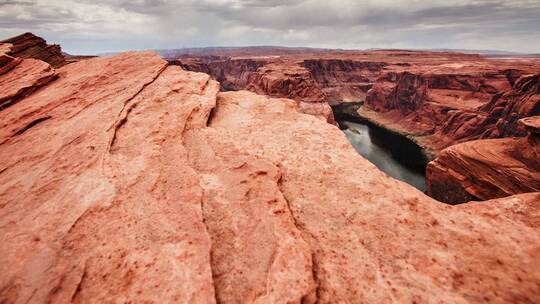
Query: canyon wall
(506,108)
(343,80)
(436,99)
(125,179)
(266,77)
(487,169)
(440,110)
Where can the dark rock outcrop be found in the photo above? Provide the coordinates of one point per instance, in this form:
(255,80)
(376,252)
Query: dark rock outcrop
(29,45)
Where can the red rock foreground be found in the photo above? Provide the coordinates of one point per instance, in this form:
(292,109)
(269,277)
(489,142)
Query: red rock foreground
(127,180)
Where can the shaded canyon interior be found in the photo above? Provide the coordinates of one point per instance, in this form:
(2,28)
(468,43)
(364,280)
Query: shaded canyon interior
(220,176)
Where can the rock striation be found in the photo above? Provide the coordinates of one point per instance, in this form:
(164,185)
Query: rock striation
(22,77)
(439,110)
(129,180)
(78,200)
(487,169)
(507,108)
(29,45)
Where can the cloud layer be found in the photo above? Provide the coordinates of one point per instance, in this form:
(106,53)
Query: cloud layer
(95,26)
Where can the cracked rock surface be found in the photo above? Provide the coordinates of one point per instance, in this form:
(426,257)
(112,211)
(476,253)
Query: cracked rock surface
(128,180)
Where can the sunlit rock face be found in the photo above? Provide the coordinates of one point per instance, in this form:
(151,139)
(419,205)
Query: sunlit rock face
(124,179)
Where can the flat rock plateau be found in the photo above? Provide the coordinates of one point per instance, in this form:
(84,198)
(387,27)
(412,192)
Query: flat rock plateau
(126,179)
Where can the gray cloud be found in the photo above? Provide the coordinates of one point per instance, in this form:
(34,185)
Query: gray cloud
(93,26)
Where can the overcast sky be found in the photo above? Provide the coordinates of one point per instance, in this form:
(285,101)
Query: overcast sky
(97,26)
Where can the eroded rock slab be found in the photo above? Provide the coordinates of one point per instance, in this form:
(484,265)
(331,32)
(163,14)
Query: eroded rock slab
(98,201)
(375,239)
(258,255)
(22,79)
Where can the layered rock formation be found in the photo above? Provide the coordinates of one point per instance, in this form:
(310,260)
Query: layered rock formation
(21,77)
(343,80)
(487,169)
(507,108)
(437,99)
(127,180)
(29,45)
(442,108)
(263,75)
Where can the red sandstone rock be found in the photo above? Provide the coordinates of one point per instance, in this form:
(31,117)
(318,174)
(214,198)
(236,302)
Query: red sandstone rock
(508,107)
(292,82)
(263,76)
(22,79)
(7,62)
(258,254)
(127,180)
(373,239)
(486,169)
(98,201)
(443,108)
(343,80)
(530,124)
(29,45)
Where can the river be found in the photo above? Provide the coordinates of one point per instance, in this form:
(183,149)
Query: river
(392,153)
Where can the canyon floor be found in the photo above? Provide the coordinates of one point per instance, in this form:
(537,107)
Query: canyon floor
(222,178)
